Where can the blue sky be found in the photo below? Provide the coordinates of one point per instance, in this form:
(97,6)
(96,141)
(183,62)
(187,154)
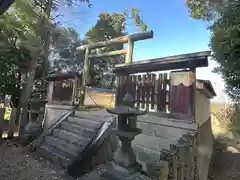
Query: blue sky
(174,31)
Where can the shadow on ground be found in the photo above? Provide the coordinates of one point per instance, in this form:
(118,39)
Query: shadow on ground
(17,164)
(226,165)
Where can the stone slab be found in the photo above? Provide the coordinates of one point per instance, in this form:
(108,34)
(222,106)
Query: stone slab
(164,128)
(168,122)
(152,142)
(49,153)
(84,122)
(70,137)
(98,115)
(150,160)
(70,150)
(79,130)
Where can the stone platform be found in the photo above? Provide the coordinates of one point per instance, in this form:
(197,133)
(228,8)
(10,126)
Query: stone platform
(79,135)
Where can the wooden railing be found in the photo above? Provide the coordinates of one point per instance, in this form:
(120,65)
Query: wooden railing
(149,90)
(162,92)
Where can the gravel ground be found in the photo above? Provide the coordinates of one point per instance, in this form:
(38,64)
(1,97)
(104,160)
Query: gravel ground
(17,164)
(226,165)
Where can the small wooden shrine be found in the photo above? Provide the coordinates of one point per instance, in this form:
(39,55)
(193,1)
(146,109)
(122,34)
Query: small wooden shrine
(61,88)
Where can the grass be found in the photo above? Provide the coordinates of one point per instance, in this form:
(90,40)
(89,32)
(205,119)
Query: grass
(222,112)
(225,121)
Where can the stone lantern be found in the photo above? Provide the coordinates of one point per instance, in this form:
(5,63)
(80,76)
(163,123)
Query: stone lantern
(124,165)
(126,131)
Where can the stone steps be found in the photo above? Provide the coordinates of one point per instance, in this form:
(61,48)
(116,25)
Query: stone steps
(87,123)
(70,137)
(78,130)
(101,116)
(73,136)
(54,155)
(68,149)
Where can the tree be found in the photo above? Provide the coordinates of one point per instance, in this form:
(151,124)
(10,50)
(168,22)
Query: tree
(28,25)
(18,37)
(44,22)
(113,25)
(205,9)
(65,41)
(13,68)
(49,6)
(225,42)
(110,26)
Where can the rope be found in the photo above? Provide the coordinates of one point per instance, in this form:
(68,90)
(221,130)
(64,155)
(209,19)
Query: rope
(94,102)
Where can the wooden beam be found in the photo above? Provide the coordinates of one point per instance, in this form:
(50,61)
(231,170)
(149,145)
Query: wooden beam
(85,77)
(128,58)
(112,53)
(74,90)
(119,40)
(171,59)
(199,59)
(193,94)
(50,91)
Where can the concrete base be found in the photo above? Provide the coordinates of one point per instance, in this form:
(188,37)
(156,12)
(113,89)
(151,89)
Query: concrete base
(205,149)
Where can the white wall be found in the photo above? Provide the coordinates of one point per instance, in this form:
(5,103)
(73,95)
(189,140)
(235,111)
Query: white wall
(202,108)
(205,136)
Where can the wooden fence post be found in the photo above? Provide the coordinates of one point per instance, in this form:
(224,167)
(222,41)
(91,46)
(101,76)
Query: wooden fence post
(85,78)
(2,111)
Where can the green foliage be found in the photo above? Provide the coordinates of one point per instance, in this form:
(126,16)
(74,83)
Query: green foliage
(12,66)
(113,25)
(55,4)
(65,41)
(225,44)
(27,28)
(110,26)
(196,8)
(205,9)
(235,123)
(20,43)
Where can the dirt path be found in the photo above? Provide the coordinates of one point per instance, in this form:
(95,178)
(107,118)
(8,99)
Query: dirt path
(226,165)
(17,164)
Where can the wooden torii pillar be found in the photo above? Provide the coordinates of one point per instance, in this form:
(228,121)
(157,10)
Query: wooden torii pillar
(130,39)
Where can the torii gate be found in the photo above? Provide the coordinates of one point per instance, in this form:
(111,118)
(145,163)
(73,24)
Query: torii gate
(130,39)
